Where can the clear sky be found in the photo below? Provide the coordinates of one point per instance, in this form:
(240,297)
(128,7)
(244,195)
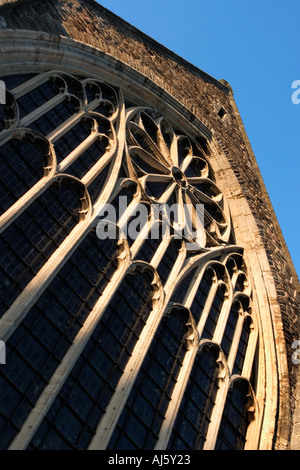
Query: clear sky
(255,46)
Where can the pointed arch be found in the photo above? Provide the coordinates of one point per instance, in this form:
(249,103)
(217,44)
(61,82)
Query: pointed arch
(142,417)
(26,158)
(239,413)
(194,414)
(90,385)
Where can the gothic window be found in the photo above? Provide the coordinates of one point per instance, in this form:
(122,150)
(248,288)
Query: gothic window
(144,412)
(38,345)
(202,294)
(56,116)
(214,313)
(33,237)
(242,348)
(23,159)
(168,260)
(190,429)
(230,328)
(39,96)
(235,419)
(56,130)
(174,171)
(75,413)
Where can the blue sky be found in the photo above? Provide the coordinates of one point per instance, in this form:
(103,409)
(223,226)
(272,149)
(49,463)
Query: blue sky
(255,46)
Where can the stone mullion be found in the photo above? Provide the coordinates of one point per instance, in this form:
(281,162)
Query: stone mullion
(208,304)
(41,110)
(175,272)
(180,387)
(24,201)
(19,309)
(116,405)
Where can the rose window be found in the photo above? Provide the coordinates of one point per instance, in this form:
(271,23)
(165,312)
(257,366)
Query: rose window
(173,171)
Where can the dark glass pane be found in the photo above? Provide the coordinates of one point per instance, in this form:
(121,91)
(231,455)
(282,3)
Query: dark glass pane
(55,117)
(168,260)
(156,189)
(37,97)
(123,199)
(234,424)
(72,139)
(239,286)
(181,290)
(148,249)
(183,145)
(88,389)
(105,108)
(146,406)
(214,313)
(230,328)
(92,91)
(12,81)
(195,410)
(7,113)
(87,159)
(96,186)
(38,345)
(230,265)
(141,165)
(34,236)
(242,348)
(21,166)
(194,169)
(201,295)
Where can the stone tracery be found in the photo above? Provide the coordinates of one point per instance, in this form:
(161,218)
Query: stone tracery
(165,165)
